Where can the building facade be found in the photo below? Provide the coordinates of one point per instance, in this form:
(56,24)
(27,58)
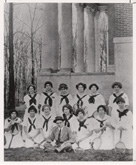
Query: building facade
(90,43)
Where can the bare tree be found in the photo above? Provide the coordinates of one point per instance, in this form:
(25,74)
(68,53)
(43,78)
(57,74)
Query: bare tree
(11,60)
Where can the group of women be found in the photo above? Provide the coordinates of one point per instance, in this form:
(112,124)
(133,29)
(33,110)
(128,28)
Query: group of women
(85,114)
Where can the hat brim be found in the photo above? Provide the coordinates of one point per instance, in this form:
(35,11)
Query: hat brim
(57,120)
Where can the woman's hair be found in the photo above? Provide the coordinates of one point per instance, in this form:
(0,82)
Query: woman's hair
(32,107)
(31,85)
(69,107)
(10,112)
(80,110)
(48,82)
(83,85)
(45,105)
(102,106)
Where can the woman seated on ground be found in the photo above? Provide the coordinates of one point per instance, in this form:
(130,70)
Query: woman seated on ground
(61,137)
(46,121)
(32,125)
(124,122)
(70,119)
(95,99)
(12,131)
(83,131)
(103,124)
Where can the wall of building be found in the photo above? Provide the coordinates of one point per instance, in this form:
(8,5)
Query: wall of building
(104,81)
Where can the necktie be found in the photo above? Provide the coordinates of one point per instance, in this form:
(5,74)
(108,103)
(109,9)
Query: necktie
(67,123)
(117,97)
(32,100)
(48,99)
(81,124)
(46,122)
(91,100)
(64,97)
(80,101)
(31,124)
(101,122)
(59,135)
(124,113)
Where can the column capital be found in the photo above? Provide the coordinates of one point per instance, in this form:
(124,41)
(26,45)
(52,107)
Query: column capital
(90,10)
(80,6)
(103,8)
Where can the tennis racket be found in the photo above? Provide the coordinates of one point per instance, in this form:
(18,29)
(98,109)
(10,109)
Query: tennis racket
(95,113)
(11,140)
(120,146)
(97,142)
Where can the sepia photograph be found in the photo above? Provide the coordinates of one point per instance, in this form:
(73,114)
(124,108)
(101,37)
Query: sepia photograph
(68,82)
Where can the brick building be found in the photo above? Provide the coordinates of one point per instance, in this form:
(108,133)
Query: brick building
(87,43)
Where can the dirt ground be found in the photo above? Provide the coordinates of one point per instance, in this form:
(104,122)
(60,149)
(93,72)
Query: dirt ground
(23,154)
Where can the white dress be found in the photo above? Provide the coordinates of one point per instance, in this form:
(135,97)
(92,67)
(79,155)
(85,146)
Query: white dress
(94,101)
(61,101)
(17,140)
(29,100)
(33,125)
(72,123)
(47,124)
(49,99)
(124,120)
(113,97)
(83,130)
(81,102)
(108,135)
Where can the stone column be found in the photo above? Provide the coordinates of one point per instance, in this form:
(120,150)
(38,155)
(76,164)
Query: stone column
(50,37)
(80,38)
(66,37)
(90,61)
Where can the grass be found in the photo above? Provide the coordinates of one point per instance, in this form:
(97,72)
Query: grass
(23,154)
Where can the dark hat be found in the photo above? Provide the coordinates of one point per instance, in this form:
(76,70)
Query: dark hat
(80,110)
(32,107)
(69,107)
(31,85)
(10,112)
(48,82)
(118,84)
(120,99)
(45,105)
(83,85)
(63,86)
(102,106)
(93,85)
(58,118)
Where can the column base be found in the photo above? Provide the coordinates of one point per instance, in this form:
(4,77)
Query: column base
(68,70)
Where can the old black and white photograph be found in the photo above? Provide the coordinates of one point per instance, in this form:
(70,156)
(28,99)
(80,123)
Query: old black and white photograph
(68,81)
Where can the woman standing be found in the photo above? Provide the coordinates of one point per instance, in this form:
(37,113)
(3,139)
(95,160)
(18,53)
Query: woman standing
(63,99)
(95,99)
(13,131)
(117,93)
(32,98)
(48,97)
(81,98)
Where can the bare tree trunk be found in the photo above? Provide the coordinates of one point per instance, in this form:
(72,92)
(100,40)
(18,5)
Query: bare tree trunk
(11,104)
(32,54)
